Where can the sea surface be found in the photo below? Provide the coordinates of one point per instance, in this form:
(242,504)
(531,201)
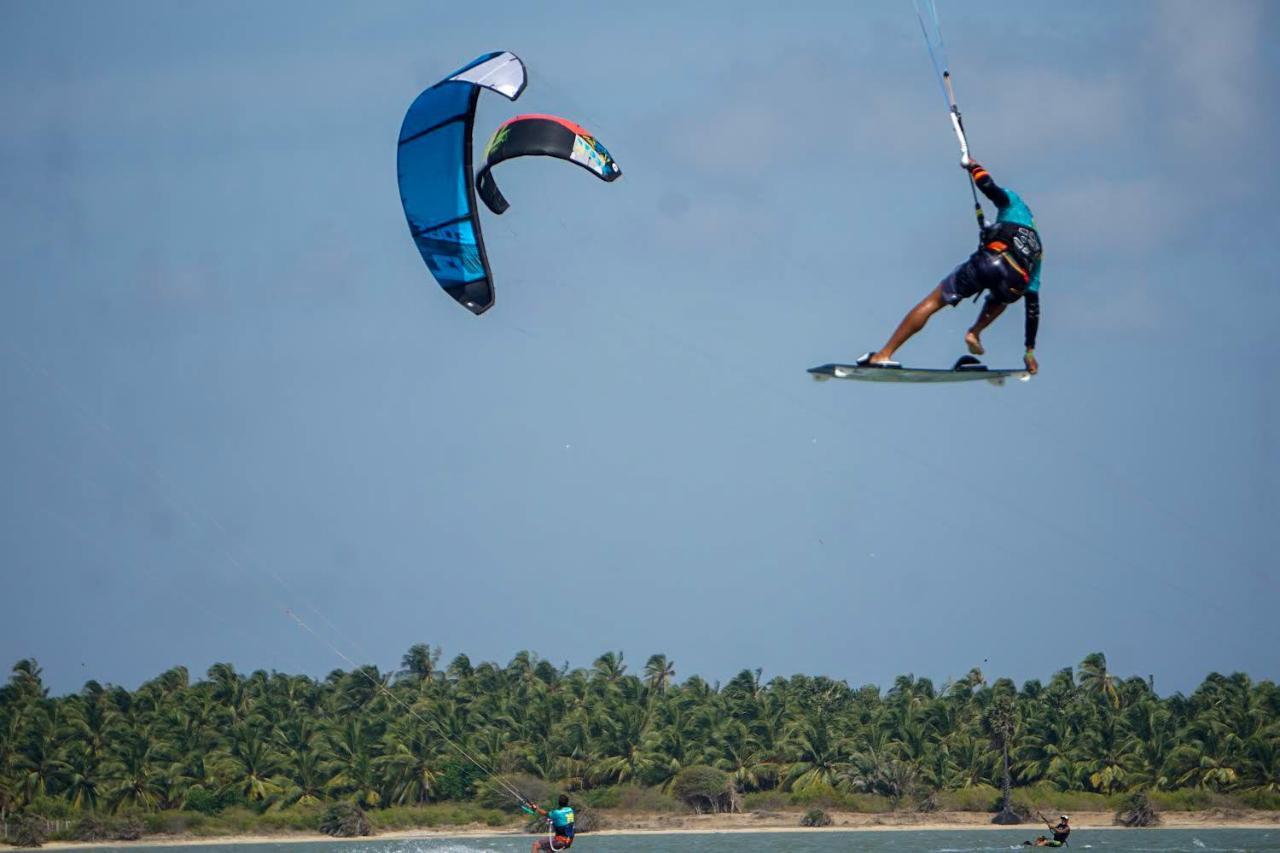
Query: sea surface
(896,841)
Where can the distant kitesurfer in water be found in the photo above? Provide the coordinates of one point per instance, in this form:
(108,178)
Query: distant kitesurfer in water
(1060,833)
(1006,265)
(561,827)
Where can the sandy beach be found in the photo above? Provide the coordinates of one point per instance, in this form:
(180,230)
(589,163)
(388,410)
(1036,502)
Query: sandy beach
(649,824)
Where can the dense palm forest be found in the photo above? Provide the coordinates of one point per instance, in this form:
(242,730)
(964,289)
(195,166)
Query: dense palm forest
(272,742)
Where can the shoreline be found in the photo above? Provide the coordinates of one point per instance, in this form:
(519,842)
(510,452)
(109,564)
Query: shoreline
(714,824)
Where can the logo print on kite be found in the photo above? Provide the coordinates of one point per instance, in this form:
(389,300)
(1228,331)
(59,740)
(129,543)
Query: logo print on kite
(547,136)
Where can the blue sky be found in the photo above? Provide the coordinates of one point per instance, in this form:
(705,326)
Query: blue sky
(230,387)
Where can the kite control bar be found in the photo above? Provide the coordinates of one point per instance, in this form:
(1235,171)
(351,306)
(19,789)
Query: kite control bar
(956,121)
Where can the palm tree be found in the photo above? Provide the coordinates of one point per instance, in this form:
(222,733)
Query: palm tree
(818,758)
(1096,681)
(26,684)
(352,765)
(658,673)
(305,778)
(1151,740)
(38,762)
(1000,724)
(133,770)
(628,756)
(1262,750)
(420,663)
(1112,758)
(459,669)
(610,666)
(84,778)
(253,764)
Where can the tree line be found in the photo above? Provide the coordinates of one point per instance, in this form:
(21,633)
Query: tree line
(428,733)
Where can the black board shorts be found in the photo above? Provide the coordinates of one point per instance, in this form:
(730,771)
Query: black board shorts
(982,271)
(959,285)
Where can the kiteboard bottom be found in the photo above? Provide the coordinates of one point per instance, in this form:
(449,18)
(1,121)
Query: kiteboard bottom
(966,369)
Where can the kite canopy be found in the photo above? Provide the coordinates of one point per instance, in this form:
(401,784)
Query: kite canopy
(548,136)
(433,167)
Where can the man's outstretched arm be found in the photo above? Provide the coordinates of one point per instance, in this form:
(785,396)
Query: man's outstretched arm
(1033,318)
(982,179)
(1032,300)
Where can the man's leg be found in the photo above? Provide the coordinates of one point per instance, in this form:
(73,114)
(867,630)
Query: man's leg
(991,309)
(912,323)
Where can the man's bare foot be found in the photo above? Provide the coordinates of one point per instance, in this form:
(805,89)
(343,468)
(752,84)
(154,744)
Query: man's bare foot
(883,359)
(975,345)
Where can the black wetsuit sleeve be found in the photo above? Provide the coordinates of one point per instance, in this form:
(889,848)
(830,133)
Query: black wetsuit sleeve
(982,178)
(1032,301)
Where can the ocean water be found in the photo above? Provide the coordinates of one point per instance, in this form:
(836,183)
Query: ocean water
(852,841)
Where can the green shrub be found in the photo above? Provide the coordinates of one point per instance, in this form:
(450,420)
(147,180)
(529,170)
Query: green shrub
(637,798)
(52,808)
(975,798)
(822,795)
(239,820)
(1137,811)
(703,788)
(587,819)
(438,814)
(174,823)
(1260,799)
(127,828)
(817,794)
(91,827)
(1046,798)
(602,798)
(206,801)
(816,817)
(298,818)
(457,781)
(396,817)
(28,830)
(491,794)
(1012,815)
(345,820)
(1199,799)
(866,803)
(765,801)
(210,828)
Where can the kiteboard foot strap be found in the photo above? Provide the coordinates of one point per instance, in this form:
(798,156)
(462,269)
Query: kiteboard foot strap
(864,360)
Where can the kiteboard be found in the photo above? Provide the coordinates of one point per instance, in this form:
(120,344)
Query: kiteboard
(966,369)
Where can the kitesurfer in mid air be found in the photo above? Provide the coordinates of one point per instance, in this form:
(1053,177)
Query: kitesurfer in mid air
(1006,265)
(561,827)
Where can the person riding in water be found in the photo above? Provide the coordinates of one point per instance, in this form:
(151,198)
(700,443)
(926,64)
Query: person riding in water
(1006,265)
(561,826)
(1060,833)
